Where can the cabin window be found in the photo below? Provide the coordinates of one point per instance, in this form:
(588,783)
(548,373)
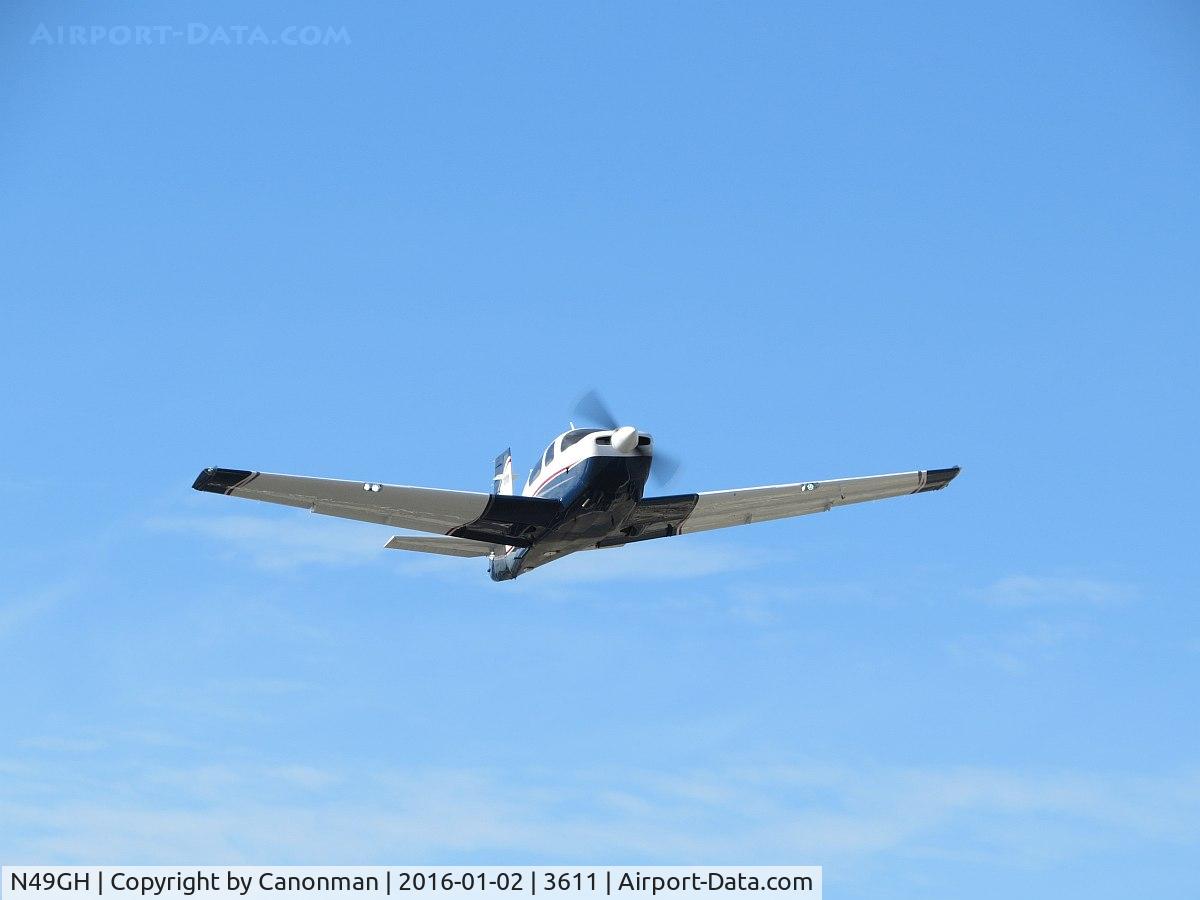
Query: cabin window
(533,473)
(549,454)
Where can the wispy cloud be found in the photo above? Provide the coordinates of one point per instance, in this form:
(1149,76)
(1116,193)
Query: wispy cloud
(1029,591)
(665,559)
(284,544)
(1017,650)
(18,609)
(247,699)
(807,813)
(1036,619)
(59,744)
(289,543)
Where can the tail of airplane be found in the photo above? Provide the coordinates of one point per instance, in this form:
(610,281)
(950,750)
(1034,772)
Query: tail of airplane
(502,481)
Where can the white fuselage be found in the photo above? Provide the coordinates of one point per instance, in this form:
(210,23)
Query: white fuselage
(556,461)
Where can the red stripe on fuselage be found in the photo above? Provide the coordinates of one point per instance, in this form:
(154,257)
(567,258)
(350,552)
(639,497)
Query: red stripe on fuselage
(548,480)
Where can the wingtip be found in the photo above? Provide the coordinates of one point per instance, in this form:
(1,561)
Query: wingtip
(936,479)
(220,481)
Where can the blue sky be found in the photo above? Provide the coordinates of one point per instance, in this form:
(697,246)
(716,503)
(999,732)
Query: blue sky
(795,241)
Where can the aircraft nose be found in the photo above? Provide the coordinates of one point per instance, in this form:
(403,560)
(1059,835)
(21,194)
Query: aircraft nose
(625,439)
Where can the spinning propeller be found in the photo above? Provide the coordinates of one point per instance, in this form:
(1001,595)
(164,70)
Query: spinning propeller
(590,407)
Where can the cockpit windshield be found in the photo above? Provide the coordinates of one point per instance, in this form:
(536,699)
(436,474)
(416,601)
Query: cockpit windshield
(574,437)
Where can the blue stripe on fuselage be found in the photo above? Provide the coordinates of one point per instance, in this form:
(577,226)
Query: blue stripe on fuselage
(598,494)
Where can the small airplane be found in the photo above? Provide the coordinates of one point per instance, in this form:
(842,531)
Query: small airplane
(585,492)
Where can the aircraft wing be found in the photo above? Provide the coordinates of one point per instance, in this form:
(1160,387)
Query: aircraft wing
(476,516)
(683,513)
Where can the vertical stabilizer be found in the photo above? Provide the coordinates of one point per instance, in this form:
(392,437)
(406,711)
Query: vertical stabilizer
(502,481)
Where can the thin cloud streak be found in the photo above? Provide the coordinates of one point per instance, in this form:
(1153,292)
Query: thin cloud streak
(665,559)
(281,544)
(285,544)
(810,813)
(17,611)
(1016,651)
(1031,591)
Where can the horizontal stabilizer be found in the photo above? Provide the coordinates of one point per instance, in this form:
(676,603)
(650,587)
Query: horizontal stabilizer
(446,546)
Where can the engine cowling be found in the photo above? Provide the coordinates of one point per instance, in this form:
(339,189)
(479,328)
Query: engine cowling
(625,439)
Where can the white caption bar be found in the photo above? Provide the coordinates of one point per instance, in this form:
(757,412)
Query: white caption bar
(408,883)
